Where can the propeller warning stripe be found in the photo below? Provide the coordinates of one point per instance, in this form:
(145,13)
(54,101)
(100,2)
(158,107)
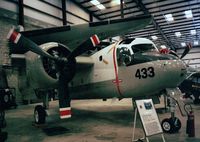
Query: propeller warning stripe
(95,40)
(13,36)
(65,112)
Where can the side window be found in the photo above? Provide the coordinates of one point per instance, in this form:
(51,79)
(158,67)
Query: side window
(135,49)
(123,56)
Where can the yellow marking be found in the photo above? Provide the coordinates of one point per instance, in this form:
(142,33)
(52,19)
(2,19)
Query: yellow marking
(106,62)
(112,47)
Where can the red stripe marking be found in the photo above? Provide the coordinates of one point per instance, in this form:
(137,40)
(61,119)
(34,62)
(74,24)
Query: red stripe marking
(13,36)
(116,81)
(65,112)
(95,39)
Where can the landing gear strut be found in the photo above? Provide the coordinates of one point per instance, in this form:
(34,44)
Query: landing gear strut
(172,124)
(40,112)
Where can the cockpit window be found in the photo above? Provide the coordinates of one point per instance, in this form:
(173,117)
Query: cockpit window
(127,41)
(124,56)
(142,48)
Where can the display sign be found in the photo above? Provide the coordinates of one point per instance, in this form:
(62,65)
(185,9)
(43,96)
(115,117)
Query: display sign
(149,117)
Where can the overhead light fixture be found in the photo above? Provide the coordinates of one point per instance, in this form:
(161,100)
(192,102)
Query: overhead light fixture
(97,4)
(100,6)
(116,2)
(188,14)
(196,42)
(193,32)
(169,17)
(178,34)
(154,37)
(183,44)
(163,46)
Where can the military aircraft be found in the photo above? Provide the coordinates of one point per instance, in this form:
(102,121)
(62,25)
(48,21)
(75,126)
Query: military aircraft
(130,68)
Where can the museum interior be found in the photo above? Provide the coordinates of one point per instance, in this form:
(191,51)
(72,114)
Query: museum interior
(99,70)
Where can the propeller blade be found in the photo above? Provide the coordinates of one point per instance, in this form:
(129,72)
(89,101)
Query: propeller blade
(64,97)
(187,49)
(89,44)
(22,41)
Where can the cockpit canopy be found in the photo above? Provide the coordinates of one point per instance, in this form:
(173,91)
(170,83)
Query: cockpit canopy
(128,47)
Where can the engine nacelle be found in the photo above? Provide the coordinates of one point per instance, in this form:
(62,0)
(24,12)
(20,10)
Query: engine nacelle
(43,72)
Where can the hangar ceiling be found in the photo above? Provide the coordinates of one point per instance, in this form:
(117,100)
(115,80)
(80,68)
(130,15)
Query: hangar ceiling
(187,29)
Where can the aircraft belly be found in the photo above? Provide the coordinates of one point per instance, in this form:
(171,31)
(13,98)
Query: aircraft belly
(98,90)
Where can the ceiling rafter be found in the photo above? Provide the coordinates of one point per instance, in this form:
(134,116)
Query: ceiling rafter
(145,10)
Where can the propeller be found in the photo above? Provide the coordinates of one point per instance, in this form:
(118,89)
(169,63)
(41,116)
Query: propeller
(66,65)
(187,49)
(168,51)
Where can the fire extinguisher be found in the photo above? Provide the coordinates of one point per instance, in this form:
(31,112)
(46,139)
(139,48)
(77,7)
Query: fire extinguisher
(190,127)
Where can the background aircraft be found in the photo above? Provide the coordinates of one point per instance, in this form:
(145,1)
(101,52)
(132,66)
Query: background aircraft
(131,68)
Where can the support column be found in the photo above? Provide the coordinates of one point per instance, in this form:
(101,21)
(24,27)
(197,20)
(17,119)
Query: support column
(21,12)
(64,15)
(122,8)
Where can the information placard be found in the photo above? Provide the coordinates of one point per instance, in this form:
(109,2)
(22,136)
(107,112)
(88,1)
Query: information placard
(149,117)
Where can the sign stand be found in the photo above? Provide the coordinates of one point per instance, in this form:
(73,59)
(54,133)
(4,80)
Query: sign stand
(149,118)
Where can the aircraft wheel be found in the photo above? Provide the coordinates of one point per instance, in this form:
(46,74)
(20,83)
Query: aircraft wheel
(166,125)
(39,114)
(176,123)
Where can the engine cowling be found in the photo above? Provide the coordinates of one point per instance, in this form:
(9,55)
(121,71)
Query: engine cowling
(43,72)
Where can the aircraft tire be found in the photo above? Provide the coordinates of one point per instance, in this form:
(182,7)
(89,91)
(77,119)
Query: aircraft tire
(176,124)
(39,114)
(166,125)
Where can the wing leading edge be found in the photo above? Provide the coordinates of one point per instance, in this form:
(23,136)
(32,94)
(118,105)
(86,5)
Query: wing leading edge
(72,36)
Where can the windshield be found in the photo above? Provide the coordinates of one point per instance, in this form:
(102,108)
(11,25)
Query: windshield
(143,48)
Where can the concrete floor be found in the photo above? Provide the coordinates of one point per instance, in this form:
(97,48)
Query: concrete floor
(92,121)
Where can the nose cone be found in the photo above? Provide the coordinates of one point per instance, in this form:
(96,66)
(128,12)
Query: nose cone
(176,71)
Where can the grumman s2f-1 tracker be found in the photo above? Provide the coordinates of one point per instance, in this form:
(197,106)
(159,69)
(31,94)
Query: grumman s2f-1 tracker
(131,68)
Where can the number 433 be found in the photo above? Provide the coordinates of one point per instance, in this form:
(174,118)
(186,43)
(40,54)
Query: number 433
(145,72)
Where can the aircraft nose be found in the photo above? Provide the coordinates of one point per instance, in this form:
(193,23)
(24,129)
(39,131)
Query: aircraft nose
(176,70)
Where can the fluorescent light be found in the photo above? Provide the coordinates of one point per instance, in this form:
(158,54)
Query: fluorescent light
(169,17)
(183,44)
(196,42)
(115,2)
(193,32)
(100,6)
(188,14)
(95,2)
(178,34)
(163,46)
(154,37)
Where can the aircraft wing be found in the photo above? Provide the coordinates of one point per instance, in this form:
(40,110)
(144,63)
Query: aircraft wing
(72,36)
